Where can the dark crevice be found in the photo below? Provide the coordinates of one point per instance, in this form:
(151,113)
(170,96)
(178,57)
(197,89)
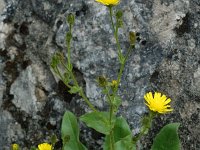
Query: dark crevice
(154,77)
(83,11)
(20,116)
(63,92)
(3,55)
(50,126)
(143,42)
(24,28)
(59,23)
(184,27)
(11,71)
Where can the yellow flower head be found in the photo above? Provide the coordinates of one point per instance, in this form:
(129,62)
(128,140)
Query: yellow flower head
(15,147)
(108,2)
(45,146)
(158,103)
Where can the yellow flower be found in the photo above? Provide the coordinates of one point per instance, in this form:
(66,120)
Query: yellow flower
(158,103)
(15,147)
(45,146)
(108,2)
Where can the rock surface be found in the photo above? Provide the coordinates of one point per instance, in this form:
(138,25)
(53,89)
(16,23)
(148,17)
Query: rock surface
(166,58)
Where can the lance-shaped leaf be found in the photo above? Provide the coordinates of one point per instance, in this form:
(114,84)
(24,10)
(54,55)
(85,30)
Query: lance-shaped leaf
(98,121)
(167,138)
(70,133)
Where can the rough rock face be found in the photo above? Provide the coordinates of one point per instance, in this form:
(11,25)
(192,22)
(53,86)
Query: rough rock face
(166,59)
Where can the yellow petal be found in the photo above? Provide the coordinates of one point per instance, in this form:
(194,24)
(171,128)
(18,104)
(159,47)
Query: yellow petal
(163,98)
(150,96)
(147,100)
(167,101)
(157,96)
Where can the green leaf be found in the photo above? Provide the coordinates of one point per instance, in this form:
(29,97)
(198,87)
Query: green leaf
(70,133)
(122,136)
(98,121)
(167,137)
(121,129)
(125,144)
(74,146)
(74,89)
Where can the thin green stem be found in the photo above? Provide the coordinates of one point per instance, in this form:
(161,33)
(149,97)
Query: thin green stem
(115,29)
(57,71)
(145,127)
(87,101)
(71,72)
(119,76)
(119,49)
(112,147)
(110,99)
(111,132)
(69,44)
(82,93)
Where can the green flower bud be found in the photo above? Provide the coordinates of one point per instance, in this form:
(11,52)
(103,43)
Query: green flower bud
(132,38)
(71,19)
(119,14)
(56,59)
(102,81)
(54,139)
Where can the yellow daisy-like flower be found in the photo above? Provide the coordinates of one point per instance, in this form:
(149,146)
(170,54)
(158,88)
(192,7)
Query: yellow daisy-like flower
(45,146)
(158,103)
(15,147)
(108,2)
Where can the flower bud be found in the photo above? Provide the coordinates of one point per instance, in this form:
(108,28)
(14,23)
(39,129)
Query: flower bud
(15,147)
(119,14)
(114,84)
(132,38)
(55,60)
(71,19)
(102,81)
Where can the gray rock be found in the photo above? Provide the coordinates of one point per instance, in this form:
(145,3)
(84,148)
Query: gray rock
(166,59)
(5,30)
(23,90)
(11,131)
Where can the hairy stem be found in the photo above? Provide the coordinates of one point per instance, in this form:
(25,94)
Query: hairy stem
(145,127)
(82,94)
(115,29)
